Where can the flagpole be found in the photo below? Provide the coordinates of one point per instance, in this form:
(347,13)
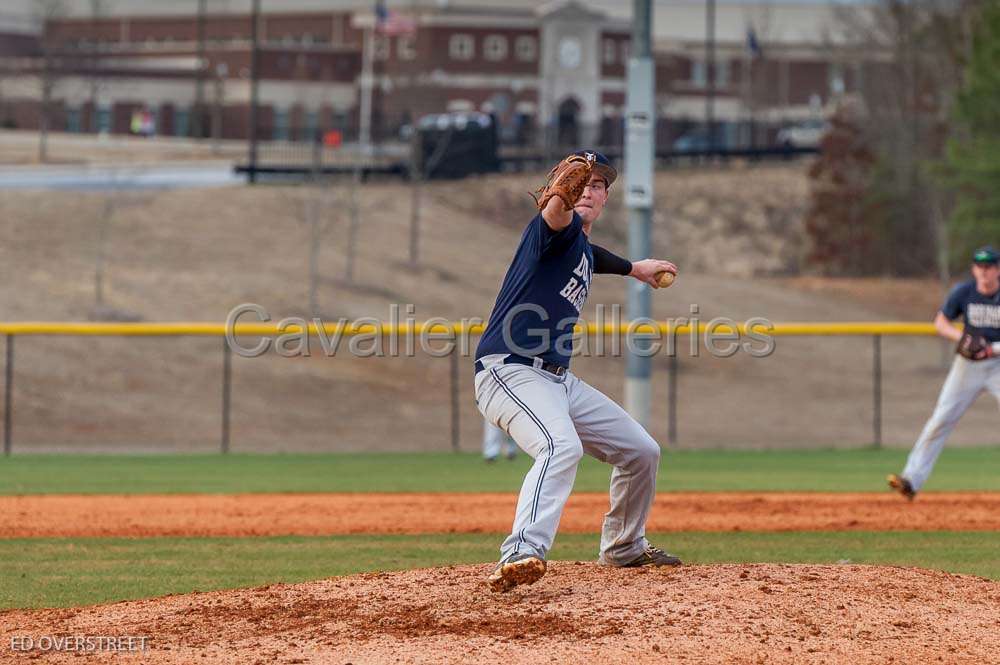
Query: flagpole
(367,62)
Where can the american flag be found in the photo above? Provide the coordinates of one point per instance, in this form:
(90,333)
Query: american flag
(388,22)
(753,46)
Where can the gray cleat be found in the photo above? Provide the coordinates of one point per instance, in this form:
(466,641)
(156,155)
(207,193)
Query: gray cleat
(653,556)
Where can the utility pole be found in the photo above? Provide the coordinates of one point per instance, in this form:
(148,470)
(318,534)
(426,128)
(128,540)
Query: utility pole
(640,139)
(254,79)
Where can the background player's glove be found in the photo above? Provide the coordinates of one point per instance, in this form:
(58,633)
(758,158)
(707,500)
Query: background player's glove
(974,347)
(567,180)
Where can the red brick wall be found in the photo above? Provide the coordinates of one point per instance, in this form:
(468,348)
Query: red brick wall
(321,25)
(165,120)
(805,79)
(121,116)
(72,30)
(432,52)
(620,43)
(293,64)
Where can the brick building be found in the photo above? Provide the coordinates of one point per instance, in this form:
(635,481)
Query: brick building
(554,72)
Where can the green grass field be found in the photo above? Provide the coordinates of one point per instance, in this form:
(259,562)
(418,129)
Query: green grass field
(53,572)
(708,470)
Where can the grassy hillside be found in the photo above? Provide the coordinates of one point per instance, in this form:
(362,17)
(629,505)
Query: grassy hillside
(193,255)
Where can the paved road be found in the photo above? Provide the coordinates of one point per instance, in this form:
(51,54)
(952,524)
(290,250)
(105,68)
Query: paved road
(133,176)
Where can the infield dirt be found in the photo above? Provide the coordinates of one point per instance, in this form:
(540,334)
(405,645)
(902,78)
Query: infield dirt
(414,513)
(579,612)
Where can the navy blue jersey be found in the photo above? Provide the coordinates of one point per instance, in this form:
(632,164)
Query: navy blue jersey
(541,296)
(980,314)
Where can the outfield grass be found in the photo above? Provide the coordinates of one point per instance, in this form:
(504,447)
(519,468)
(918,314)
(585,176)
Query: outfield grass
(708,470)
(72,572)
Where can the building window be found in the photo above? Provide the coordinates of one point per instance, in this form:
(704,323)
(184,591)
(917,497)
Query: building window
(103,119)
(461,47)
(280,125)
(610,51)
(836,75)
(381,47)
(406,48)
(526,48)
(722,73)
(625,52)
(698,77)
(312,126)
(495,47)
(73,120)
(181,119)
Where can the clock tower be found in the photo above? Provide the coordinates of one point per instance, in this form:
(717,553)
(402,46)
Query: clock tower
(569,96)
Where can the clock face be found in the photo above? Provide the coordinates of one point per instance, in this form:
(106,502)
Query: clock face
(570,52)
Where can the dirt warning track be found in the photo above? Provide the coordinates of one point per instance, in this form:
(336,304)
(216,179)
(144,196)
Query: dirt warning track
(411,513)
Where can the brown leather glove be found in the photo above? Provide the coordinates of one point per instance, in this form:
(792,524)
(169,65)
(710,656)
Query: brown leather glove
(974,347)
(567,180)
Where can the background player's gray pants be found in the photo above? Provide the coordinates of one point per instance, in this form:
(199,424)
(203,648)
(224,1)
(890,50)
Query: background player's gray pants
(496,441)
(555,420)
(966,380)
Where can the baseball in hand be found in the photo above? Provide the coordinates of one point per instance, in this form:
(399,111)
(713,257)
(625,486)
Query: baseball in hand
(665,279)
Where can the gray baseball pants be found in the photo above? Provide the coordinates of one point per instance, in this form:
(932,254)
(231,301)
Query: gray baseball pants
(556,420)
(966,380)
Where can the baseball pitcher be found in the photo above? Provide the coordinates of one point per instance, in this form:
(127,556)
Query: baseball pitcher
(524,386)
(976,366)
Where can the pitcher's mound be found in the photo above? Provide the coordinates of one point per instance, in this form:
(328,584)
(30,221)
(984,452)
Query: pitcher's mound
(578,613)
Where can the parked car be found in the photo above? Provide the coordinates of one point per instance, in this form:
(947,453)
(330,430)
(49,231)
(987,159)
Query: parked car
(694,141)
(805,134)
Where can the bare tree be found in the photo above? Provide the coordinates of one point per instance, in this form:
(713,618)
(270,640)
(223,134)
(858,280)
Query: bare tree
(116,199)
(354,225)
(908,65)
(316,201)
(420,170)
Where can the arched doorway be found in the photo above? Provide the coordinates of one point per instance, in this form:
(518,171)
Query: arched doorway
(568,126)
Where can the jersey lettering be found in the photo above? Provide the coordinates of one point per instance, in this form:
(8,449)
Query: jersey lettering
(570,288)
(983,316)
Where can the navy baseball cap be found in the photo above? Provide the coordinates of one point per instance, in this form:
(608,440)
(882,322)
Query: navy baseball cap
(986,255)
(601,164)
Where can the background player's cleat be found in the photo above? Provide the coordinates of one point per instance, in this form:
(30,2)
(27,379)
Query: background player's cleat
(653,556)
(901,485)
(490,460)
(517,569)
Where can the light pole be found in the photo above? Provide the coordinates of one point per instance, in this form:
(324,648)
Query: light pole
(640,149)
(254,78)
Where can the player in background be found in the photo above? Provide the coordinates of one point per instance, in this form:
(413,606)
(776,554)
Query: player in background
(976,366)
(495,442)
(524,386)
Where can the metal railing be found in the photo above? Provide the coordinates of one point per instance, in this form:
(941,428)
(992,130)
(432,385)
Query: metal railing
(45,329)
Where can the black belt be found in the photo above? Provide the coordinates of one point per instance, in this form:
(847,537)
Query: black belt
(511,359)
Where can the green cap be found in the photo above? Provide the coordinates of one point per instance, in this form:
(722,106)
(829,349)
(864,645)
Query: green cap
(986,255)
